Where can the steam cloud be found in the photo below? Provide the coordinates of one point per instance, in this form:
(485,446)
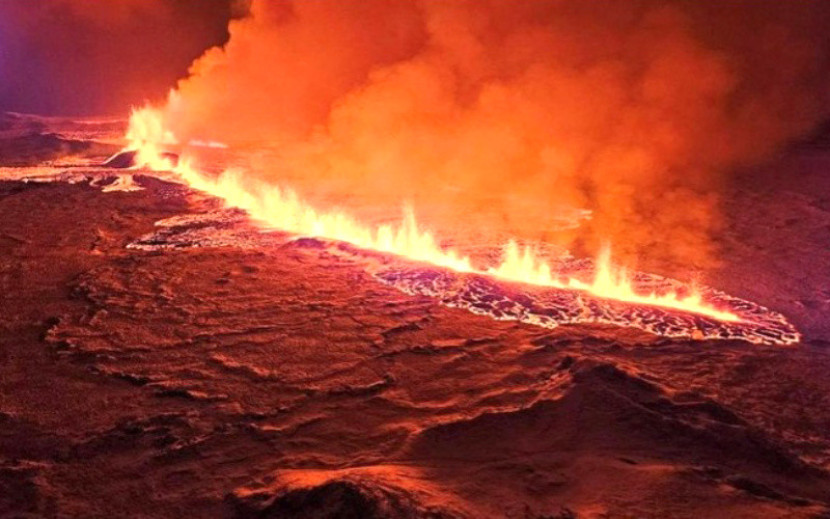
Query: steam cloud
(507,113)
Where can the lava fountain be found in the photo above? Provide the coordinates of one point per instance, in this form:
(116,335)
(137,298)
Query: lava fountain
(276,207)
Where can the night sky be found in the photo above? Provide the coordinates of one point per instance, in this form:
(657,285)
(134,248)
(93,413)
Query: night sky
(93,57)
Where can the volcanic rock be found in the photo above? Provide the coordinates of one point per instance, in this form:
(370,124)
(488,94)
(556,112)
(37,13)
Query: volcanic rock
(160,356)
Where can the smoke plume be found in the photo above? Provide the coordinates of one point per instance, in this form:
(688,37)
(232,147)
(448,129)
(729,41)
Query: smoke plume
(510,114)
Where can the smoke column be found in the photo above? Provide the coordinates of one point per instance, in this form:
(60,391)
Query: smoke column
(509,114)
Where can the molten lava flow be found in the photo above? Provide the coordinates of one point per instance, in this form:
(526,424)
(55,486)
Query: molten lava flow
(614,283)
(147,138)
(283,209)
(610,282)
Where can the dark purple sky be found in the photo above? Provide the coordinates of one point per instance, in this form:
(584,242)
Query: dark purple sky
(82,57)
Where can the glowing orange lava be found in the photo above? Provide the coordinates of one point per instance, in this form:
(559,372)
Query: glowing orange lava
(282,208)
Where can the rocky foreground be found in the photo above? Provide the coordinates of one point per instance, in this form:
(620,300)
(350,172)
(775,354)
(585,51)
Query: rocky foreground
(278,378)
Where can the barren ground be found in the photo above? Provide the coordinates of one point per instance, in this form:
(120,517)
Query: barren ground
(284,381)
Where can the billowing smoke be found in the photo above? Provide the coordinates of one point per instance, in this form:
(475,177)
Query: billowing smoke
(509,114)
(71,57)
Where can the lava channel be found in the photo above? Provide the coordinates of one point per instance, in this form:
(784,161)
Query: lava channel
(548,307)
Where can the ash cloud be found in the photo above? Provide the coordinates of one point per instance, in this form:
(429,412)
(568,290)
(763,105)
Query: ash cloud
(506,113)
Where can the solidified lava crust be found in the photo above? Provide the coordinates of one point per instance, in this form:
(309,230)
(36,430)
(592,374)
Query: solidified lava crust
(552,307)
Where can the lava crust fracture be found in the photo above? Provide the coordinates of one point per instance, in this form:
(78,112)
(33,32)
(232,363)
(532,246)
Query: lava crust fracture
(551,307)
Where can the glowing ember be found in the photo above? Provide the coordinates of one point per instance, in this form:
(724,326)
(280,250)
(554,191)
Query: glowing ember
(283,209)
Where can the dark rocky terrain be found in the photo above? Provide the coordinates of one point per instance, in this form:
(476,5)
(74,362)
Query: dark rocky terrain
(278,378)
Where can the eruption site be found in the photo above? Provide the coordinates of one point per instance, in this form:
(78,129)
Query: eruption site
(607,294)
(540,124)
(499,119)
(415,259)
